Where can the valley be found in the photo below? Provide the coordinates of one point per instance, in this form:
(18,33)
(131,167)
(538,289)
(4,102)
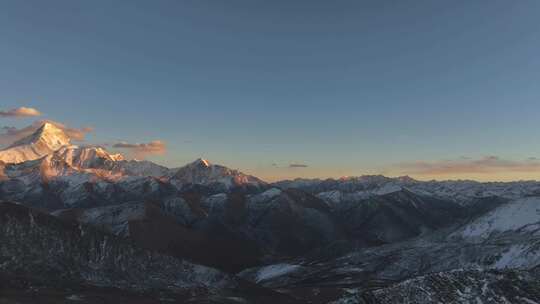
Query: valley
(77,222)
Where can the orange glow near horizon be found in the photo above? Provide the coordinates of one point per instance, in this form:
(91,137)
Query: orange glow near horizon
(273,176)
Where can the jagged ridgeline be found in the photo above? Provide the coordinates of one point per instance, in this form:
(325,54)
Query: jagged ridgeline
(80,223)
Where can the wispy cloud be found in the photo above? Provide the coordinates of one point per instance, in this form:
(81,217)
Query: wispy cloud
(296,165)
(487,164)
(78,134)
(142,150)
(20,112)
(12,134)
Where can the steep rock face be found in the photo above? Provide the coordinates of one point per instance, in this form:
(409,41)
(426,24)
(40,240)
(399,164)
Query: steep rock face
(40,245)
(47,139)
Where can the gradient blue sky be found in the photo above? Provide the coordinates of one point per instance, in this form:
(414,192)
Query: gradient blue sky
(345,87)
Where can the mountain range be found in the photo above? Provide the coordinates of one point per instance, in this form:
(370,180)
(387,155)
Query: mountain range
(112,228)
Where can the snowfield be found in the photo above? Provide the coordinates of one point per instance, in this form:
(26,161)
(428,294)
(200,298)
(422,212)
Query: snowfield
(522,215)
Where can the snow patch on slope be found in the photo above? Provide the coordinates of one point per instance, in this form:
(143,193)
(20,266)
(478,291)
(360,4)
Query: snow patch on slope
(522,214)
(387,189)
(273,271)
(515,257)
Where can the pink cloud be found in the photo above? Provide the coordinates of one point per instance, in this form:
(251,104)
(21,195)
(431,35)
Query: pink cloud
(20,112)
(487,164)
(142,150)
(297,165)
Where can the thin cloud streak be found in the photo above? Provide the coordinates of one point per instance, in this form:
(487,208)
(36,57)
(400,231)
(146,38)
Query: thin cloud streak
(488,164)
(142,150)
(298,165)
(20,112)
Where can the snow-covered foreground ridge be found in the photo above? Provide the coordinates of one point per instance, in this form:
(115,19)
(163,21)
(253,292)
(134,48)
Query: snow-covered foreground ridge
(519,216)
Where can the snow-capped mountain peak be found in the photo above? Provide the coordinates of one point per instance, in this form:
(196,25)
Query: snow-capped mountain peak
(45,140)
(48,134)
(204,162)
(199,162)
(202,172)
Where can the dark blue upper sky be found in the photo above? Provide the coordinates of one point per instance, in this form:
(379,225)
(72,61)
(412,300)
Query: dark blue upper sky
(346,87)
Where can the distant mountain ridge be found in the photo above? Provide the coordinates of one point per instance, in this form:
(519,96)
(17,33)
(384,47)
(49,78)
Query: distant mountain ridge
(58,158)
(50,140)
(46,169)
(202,172)
(362,239)
(459,191)
(73,176)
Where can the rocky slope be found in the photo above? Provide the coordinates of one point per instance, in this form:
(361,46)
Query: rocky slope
(165,228)
(323,248)
(394,216)
(36,244)
(229,231)
(47,260)
(516,218)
